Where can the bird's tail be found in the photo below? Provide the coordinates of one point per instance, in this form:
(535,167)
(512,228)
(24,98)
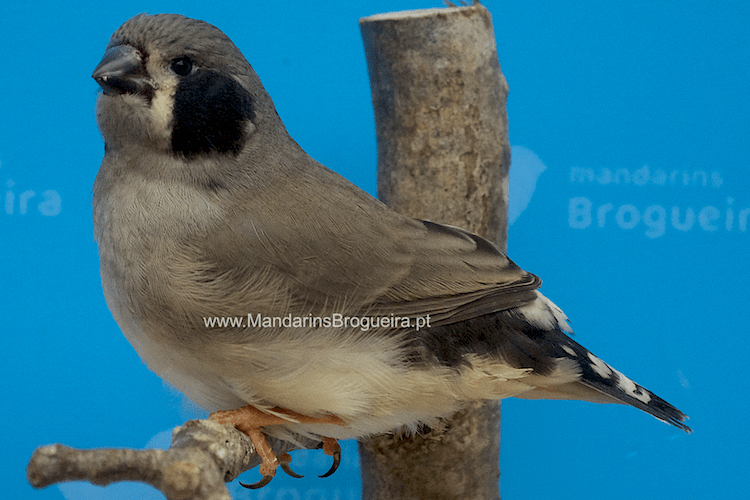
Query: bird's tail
(600,383)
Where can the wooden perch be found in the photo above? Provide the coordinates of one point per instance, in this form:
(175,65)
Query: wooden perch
(443,154)
(203,457)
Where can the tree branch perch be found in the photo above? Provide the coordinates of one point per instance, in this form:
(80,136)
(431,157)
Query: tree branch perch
(443,154)
(202,458)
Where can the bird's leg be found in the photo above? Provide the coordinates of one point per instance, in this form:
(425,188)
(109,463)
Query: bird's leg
(249,420)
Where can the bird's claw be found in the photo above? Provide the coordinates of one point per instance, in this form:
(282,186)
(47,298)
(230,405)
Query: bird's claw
(336,462)
(284,461)
(259,484)
(331,447)
(249,420)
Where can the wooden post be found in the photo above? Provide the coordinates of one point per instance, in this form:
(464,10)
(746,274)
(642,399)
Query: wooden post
(443,154)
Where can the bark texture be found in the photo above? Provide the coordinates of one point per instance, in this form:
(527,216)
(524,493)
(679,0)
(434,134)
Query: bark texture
(439,98)
(203,457)
(443,154)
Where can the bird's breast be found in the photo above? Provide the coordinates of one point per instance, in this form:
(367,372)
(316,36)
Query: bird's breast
(148,232)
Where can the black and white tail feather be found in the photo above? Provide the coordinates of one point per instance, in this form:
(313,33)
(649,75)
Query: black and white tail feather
(596,380)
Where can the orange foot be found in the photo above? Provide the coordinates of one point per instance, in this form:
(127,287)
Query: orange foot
(250,419)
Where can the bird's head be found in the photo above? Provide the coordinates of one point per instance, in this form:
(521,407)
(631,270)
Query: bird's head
(179,85)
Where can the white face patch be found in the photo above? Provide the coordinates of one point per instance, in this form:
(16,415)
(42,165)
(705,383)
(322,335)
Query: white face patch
(161,107)
(165,85)
(600,367)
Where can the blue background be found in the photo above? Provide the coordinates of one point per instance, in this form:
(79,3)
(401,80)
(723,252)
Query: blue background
(598,92)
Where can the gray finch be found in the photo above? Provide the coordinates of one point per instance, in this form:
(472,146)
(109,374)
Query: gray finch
(205,208)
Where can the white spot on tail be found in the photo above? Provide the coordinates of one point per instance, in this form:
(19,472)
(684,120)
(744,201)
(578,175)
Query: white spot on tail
(600,367)
(544,314)
(570,351)
(630,387)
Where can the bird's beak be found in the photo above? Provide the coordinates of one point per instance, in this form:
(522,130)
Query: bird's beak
(121,71)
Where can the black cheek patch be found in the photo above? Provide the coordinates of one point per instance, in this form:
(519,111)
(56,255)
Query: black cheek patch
(209,114)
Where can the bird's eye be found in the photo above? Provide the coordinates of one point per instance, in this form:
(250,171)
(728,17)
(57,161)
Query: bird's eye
(182,65)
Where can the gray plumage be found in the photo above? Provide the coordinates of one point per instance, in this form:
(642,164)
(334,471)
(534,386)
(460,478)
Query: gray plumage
(205,207)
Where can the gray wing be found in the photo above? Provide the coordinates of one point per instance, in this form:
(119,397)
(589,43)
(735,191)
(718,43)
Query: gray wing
(344,248)
(456,275)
